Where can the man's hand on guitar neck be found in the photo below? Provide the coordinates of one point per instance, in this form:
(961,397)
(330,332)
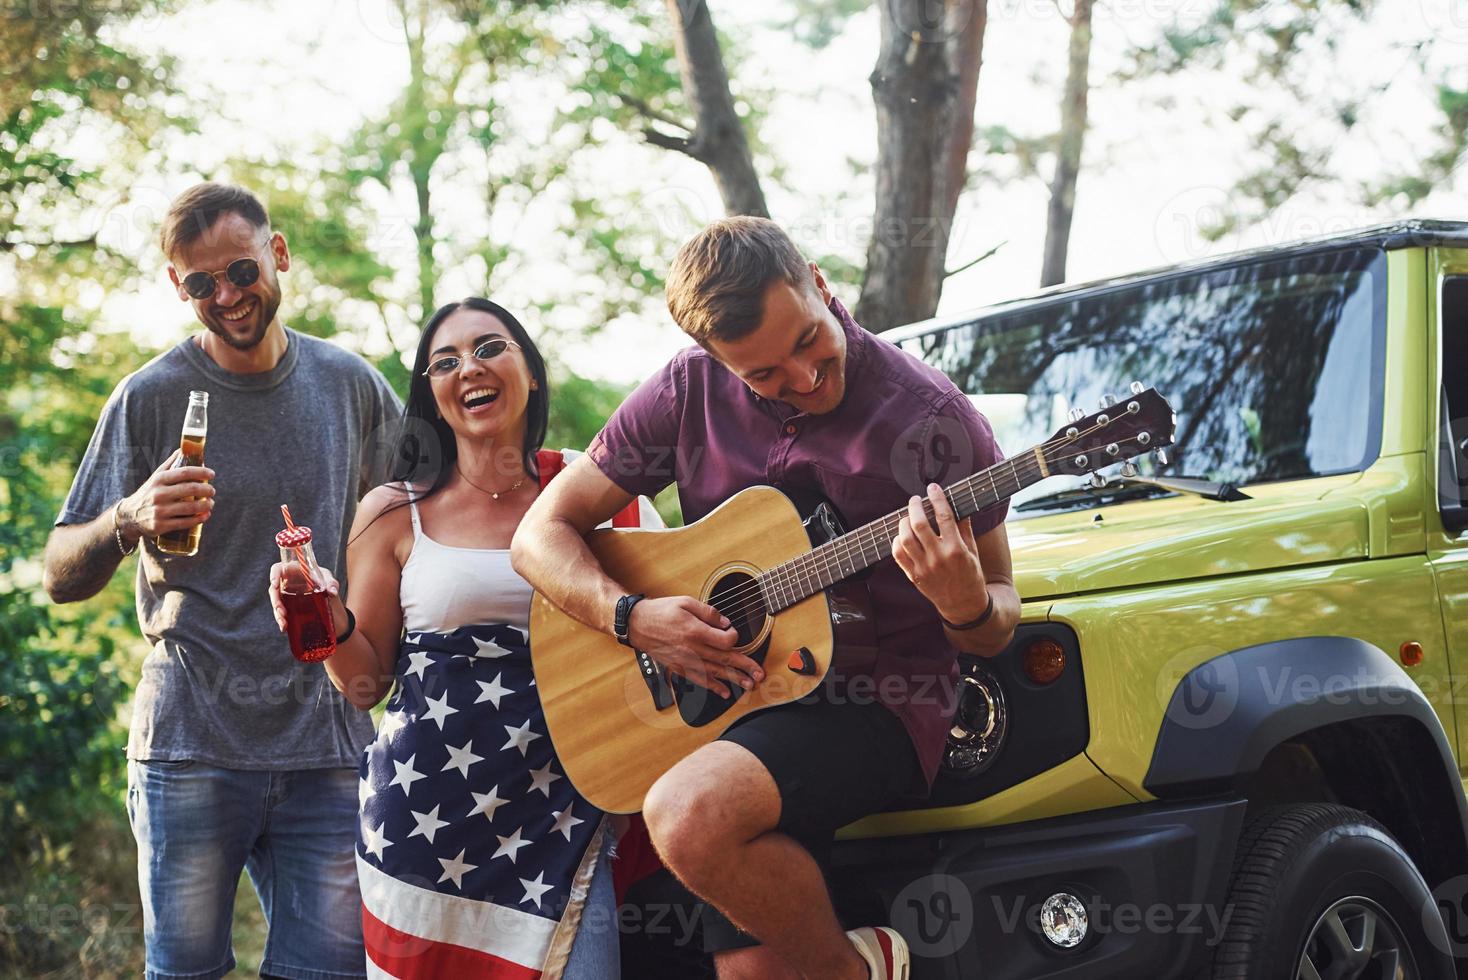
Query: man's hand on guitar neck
(694,640)
(943,562)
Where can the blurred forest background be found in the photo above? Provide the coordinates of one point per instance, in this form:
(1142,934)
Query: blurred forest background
(508,117)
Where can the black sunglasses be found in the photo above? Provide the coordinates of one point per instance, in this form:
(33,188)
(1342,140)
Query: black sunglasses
(242,272)
(486,351)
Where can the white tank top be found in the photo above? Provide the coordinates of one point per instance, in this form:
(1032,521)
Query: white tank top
(444,587)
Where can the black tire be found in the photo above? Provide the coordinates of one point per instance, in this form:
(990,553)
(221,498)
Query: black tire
(1300,874)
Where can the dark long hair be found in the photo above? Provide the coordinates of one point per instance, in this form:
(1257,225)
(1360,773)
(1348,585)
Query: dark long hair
(425,449)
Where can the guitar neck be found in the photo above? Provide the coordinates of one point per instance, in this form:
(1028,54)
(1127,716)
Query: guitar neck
(838,559)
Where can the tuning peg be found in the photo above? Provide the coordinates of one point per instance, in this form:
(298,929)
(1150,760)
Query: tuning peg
(1129,469)
(1107,401)
(1097,481)
(1076,415)
(1143,438)
(1137,388)
(1161,455)
(1113,450)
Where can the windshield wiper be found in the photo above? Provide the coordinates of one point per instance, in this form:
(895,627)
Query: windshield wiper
(1195,486)
(1088,495)
(1120,488)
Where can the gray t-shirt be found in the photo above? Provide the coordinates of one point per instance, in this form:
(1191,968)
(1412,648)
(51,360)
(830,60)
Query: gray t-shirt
(220,684)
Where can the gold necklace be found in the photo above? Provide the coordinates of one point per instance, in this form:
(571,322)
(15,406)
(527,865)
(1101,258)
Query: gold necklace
(493,494)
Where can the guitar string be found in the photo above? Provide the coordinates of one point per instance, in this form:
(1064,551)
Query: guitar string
(795,576)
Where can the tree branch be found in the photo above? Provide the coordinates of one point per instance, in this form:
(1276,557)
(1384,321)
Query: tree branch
(656,115)
(10,245)
(970,265)
(669,142)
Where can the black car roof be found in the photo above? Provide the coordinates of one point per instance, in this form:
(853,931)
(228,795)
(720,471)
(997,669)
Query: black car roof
(1413,233)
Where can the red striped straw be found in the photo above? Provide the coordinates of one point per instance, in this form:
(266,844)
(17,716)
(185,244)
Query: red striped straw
(300,555)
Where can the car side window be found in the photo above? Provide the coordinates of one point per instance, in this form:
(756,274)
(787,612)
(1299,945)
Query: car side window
(1453,396)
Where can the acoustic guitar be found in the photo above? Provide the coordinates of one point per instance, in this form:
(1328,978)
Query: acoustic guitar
(786,573)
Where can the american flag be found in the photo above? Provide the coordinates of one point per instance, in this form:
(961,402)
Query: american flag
(474,853)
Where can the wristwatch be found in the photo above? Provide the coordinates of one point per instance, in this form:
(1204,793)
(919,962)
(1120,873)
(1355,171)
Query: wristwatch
(623,618)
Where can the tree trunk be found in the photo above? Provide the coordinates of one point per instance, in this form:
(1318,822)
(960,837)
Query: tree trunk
(1068,155)
(718,139)
(420,167)
(924,87)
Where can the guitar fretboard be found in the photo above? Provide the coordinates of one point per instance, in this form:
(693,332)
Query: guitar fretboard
(786,584)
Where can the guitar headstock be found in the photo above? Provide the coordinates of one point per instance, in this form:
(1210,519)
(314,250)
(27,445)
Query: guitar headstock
(1140,423)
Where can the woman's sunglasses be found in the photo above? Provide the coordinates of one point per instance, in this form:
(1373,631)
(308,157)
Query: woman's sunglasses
(486,351)
(242,272)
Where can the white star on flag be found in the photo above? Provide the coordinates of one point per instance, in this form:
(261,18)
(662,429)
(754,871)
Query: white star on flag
(542,778)
(565,820)
(538,887)
(461,758)
(376,841)
(364,792)
(510,845)
(438,710)
(392,723)
(486,803)
(520,738)
(455,868)
(492,691)
(406,774)
(489,649)
(428,823)
(418,661)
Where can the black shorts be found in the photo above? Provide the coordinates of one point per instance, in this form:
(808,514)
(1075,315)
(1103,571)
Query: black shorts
(833,761)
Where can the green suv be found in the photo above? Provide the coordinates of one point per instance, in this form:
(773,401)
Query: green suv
(1225,739)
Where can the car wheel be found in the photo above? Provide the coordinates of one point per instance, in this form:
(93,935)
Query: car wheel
(1323,892)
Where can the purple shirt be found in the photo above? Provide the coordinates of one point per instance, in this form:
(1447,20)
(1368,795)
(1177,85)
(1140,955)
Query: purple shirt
(901,425)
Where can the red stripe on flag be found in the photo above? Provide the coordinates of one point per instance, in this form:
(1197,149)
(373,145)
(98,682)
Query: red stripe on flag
(404,955)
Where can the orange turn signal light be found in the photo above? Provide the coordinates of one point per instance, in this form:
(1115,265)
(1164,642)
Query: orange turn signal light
(1411,653)
(1044,660)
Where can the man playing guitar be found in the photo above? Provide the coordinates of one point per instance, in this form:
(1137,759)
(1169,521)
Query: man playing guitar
(784,389)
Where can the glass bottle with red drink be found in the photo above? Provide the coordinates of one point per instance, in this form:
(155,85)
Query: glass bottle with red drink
(308,620)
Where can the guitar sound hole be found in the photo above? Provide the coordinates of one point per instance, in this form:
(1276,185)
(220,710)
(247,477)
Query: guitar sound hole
(737,596)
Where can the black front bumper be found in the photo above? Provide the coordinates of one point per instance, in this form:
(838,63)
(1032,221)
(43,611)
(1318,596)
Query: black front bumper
(1153,878)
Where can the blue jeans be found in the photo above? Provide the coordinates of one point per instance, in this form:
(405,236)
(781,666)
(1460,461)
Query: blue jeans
(596,951)
(197,825)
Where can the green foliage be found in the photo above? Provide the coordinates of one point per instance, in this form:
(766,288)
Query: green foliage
(817,23)
(579,407)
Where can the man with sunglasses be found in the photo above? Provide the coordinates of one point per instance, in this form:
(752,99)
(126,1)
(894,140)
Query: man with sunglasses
(239,757)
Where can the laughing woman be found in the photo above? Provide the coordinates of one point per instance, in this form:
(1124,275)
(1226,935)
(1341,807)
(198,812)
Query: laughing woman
(476,857)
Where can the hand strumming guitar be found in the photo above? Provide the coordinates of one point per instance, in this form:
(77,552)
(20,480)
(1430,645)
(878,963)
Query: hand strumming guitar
(693,640)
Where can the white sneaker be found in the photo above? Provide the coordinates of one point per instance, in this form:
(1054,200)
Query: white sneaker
(883,949)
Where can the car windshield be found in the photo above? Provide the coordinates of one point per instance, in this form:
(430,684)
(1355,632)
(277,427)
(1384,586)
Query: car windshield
(1273,367)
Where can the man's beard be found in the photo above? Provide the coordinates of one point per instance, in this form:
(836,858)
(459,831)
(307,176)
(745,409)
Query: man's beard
(253,340)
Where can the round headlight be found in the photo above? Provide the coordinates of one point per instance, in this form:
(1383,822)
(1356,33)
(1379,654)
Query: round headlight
(1063,920)
(980,722)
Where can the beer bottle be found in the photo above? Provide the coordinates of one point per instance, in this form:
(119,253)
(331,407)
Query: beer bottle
(195,429)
